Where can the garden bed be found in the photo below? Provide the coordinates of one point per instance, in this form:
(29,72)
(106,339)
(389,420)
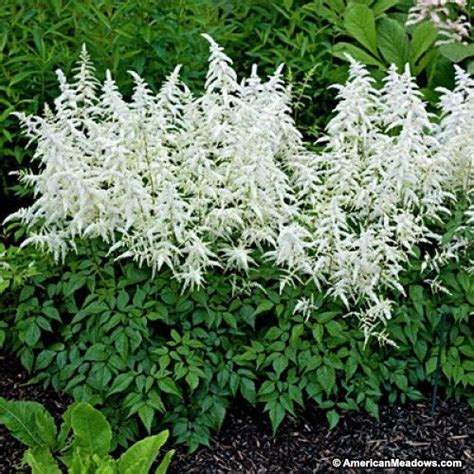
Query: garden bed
(303,444)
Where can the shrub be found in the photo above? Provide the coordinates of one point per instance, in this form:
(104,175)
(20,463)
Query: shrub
(38,37)
(106,332)
(363,225)
(223,180)
(84,441)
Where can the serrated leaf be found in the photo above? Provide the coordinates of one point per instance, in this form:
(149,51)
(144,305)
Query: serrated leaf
(277,413)
(98,352)
(280,363)
(192,380)
(168,386)
(327,378)
(120,384)
(372,407)
(91,429)
(333,418)
(41,461)
(147,415)
(267,387)
(247,388)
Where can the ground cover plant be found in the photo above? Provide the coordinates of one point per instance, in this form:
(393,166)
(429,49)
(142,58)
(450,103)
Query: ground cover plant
(188,247)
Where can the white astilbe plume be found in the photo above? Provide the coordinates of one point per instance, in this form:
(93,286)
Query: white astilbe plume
(456,135)
(168,178)
(381,179)
(195,183)
(448,16)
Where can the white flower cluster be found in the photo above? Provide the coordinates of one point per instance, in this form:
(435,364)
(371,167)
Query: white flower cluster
(168,178)
(446,16)
(456,136)
(196,182)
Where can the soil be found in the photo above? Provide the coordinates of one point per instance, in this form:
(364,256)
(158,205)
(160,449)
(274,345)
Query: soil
(303,443)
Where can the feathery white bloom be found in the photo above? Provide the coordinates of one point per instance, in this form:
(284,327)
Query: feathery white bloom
(195,183)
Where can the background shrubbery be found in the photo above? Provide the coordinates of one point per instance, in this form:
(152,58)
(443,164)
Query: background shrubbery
(109,334)
(310,37)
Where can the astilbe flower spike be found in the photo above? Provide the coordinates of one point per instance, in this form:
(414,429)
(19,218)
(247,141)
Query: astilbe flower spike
(223,179)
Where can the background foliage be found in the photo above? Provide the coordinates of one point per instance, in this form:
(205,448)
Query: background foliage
(310,37)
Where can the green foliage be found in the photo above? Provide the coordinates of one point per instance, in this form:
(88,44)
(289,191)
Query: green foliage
(374,33)
(106,332)
(37,37)
(83,443)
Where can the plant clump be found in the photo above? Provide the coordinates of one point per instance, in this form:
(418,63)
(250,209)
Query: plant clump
(224,180)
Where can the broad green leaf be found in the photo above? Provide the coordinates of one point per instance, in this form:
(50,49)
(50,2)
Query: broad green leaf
(41,461)
(457,52)
(393,42)
(381,6)
(423,37)
(164,464)
(360,24)
(139,458)
(91,429)
(29,422)
(46,428)
(65,427)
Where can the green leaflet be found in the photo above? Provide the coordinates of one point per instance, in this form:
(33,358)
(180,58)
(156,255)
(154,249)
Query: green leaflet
(139,458)
(91,429)
(28,422)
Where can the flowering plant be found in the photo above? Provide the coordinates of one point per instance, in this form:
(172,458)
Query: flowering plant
(447,15)
(223,179)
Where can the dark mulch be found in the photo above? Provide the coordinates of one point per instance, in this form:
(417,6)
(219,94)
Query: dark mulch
(302,444)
